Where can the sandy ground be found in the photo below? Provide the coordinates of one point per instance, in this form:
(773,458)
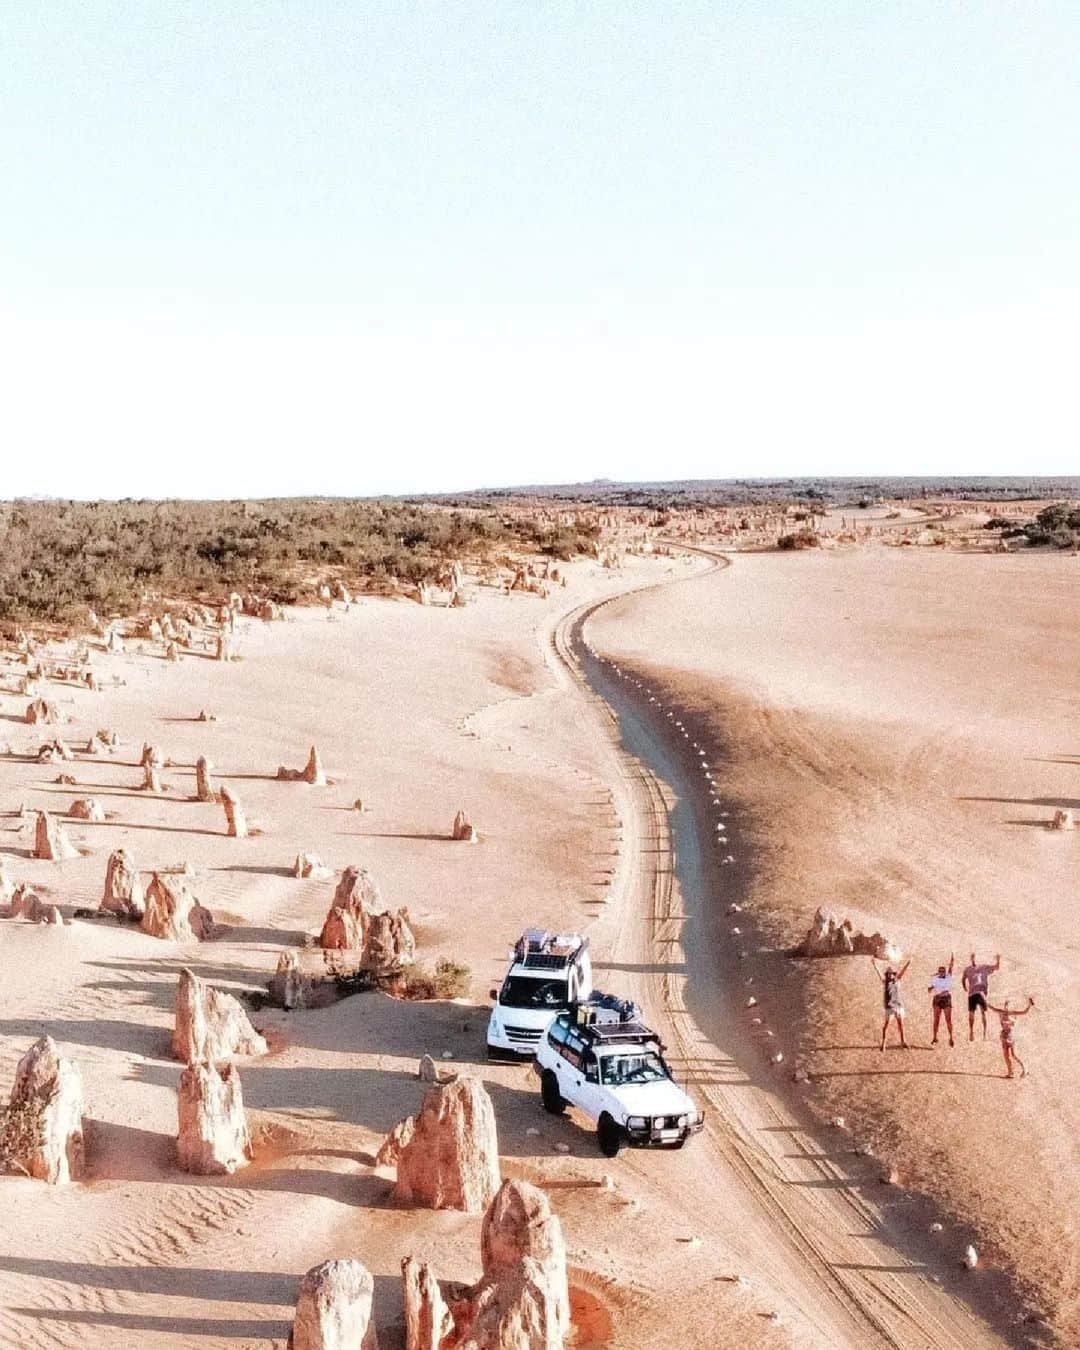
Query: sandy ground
(890,732)
(417,712)
(763,1232)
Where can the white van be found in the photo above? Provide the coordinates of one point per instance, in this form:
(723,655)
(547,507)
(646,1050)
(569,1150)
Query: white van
(549,972)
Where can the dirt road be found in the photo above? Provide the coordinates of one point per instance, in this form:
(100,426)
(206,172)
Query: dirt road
(772,1197)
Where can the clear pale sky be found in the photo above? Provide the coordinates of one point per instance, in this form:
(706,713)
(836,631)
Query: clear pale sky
(294,246)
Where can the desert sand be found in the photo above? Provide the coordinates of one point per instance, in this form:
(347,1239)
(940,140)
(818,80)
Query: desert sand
(758,1233)
(891,733)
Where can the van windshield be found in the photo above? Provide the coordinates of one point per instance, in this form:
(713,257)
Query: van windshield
(519,991)
(643,1067)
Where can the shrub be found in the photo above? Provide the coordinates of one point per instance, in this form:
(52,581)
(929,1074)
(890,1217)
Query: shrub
(800,539)
(451,979)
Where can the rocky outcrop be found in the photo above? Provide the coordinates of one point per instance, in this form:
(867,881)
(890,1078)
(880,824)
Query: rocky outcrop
(447,1155)
(288,987)
(521,1301)
(50,841)
(55,749)
(211,1025)
(42,1130)
(462,830)
(40,712)
(236,826)
(308,868)
(26,904)
(204,783)
(828,936)
(389,944)
(123,889)
(86,808)
(519,1225)
(312,772)
(428,1323)
(359,921)
(212,1138)
(333,1309)
(172,912)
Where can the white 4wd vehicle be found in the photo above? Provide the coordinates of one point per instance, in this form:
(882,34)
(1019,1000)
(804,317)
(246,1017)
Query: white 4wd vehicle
(549,972)
(603,1060)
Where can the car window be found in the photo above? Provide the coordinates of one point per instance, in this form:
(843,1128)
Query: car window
(557,1033)
(642,1067)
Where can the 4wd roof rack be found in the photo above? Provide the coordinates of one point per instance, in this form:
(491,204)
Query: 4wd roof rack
(540,949)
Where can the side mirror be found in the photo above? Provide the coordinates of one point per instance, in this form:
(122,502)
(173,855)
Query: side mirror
(493,993)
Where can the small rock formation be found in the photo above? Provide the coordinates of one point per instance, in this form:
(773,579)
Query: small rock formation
(427,1070)
(50,841)
(51,914)
(204,784)
(313,769)
(333,1309)
(26,904)
(173,912)
(212,1138)
(55,749)
(519,1225)
(42,713)
(211,1025)
(312,772)
(235,820)
(521,1301)
(86,808)
(42,1131)
(462,830)
(1063,820)
(428,1323)
(288,987)
(358,920)
(123,890)
(447,1155)
(307,867)
(827,936)
(151,778)
(172,652)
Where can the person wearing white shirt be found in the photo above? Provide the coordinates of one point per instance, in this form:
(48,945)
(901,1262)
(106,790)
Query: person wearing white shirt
(940,987)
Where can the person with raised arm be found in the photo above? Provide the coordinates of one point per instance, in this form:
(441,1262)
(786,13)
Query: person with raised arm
(940,987)
(894,1003)
(976,983)
(1008,1035)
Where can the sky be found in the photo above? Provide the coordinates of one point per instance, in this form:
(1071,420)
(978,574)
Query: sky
(276,247)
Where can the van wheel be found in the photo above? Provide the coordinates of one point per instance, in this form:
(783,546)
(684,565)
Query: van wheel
(550,1094)
(609,1136)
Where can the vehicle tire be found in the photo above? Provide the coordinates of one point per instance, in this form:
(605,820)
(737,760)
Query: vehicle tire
(609,1136)
(550,1094)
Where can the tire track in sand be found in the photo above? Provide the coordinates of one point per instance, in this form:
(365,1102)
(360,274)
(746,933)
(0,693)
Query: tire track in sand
(818,1241)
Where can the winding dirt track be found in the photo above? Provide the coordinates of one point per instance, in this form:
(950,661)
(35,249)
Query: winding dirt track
(765,1190)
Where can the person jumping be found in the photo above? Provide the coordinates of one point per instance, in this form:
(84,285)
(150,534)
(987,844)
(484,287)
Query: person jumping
(941,987)
(894,1004)
(1008,1036)
(976,983)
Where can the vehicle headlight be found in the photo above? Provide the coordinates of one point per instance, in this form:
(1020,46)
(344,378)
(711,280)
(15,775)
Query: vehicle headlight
(637,1123)
(681,1122)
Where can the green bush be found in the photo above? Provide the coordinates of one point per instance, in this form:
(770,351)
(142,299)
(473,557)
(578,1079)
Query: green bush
(59,559)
